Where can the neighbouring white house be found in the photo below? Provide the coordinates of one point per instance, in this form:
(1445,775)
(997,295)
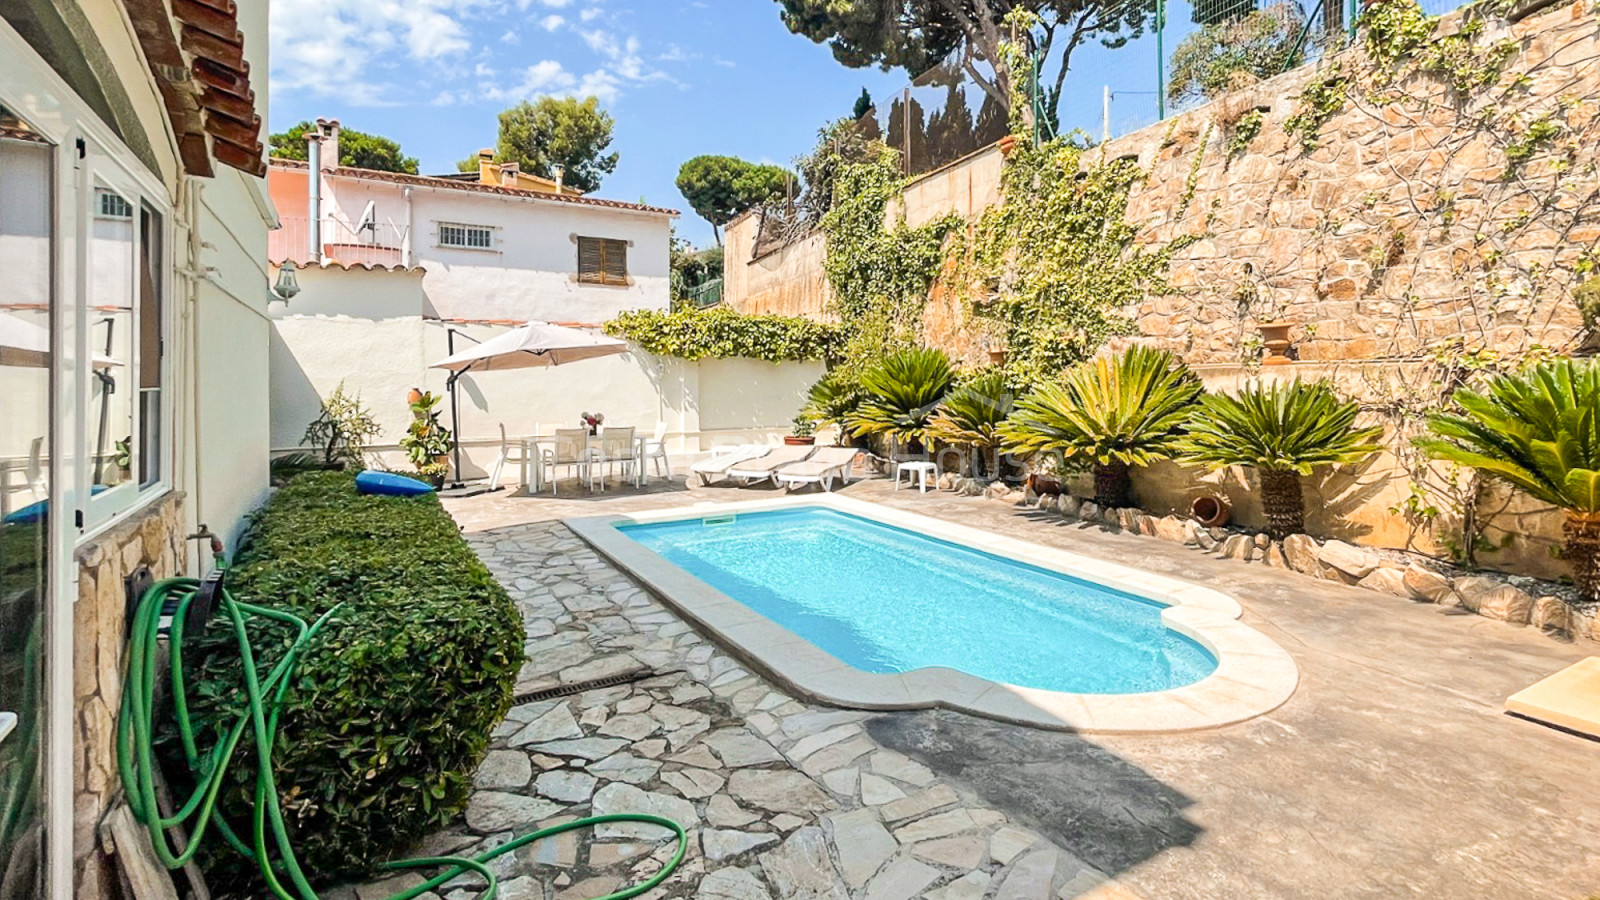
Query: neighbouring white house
(133,373)
(396,271)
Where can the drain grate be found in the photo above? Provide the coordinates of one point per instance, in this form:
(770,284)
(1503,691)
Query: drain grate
(594,684)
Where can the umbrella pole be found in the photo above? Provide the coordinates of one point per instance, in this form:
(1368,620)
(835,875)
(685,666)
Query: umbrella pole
(455,410)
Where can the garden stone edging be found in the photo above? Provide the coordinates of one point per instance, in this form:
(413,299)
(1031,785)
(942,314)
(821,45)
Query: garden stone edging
(1484,594)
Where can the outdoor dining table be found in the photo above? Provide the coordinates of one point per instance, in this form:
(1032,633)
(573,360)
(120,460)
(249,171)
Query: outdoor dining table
(532,466)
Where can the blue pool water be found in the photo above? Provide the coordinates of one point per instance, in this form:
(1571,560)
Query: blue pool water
(884,599)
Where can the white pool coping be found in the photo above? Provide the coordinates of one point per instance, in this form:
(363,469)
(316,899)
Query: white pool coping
(1253,676)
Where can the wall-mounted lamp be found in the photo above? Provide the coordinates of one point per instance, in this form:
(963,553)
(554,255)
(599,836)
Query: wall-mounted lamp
(288,285)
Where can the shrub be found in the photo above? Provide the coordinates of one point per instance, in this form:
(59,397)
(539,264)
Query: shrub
(393,703)
(721,333)
(833,399)
(1236,52)
(1540,432)
(971,415)
(1284,431)
(903,390)
(342,429)
(1116,413)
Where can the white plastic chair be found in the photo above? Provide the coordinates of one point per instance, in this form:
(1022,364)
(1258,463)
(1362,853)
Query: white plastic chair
(510,451)
(617,446)
(571,451)
(655,452)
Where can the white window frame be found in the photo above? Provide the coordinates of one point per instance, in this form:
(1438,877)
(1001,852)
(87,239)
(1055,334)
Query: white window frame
(466,231)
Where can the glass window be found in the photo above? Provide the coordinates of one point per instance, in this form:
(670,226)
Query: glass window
(152,349)
(26,294)
(602,261)
(113,296)
(471,237)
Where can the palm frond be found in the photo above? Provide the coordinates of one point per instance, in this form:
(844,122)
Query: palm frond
(1538,431)
(902,393)
(1124,409)
(1292,427)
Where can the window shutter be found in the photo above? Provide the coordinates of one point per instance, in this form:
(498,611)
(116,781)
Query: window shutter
(591,261)
(616,270)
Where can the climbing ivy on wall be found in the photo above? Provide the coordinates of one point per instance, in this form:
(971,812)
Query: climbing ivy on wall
(1053,266)
(879,268)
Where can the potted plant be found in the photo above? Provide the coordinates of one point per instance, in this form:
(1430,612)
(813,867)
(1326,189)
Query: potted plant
(1275,337)
(427,442)
(804,433)
(592,421)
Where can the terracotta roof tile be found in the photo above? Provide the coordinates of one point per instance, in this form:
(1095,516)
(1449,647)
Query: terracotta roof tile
(451,184)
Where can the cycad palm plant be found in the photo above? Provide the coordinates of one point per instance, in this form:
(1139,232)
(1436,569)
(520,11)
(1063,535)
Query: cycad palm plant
(833,400)
(971,415)
(1283,431)
(903,390)
(1540,431)
(1117,413)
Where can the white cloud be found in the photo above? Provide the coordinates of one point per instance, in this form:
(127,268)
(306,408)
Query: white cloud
(592,13)
(552,22)
(510,37)
(342,48)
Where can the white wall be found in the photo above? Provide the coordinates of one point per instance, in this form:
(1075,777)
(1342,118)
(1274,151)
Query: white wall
(531,271)
(381,357)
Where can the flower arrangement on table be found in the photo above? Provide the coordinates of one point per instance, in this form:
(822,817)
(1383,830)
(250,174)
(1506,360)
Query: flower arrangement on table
(593,421)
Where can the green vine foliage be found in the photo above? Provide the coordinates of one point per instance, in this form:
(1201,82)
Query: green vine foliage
(721,333)
(879,271)
(1320,100)
(1052,266)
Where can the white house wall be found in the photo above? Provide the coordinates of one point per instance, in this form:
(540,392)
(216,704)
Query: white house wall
(381,357)
(531,272)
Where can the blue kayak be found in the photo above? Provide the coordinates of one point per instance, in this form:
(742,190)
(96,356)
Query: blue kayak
(389,484)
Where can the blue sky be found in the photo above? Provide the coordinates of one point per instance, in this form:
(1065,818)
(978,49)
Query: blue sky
(681,78)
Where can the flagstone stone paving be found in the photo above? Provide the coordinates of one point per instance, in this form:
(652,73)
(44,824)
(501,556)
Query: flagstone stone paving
(782,798)
(1392,771)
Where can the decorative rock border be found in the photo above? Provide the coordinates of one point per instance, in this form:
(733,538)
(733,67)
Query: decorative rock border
(1332,560)
(1253,676)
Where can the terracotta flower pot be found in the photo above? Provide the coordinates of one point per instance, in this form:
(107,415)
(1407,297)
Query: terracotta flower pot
(1008,144)
(998,357)
(795,440)
(413,397)
(1211,510)
(1275,337)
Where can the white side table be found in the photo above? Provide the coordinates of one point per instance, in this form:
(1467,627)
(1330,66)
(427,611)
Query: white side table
(920,471)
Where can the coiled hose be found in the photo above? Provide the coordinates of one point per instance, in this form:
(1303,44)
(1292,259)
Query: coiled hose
(268,843)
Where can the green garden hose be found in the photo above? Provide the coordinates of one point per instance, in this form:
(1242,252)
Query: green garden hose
(268,842)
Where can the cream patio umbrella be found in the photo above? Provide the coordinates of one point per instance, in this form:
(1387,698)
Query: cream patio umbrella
(531,346)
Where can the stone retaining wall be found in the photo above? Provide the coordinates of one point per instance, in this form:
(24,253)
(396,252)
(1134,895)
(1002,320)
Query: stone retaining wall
(152,537)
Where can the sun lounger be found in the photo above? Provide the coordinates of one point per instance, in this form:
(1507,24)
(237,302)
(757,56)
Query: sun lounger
(821,467)
(755,471)
(718,465)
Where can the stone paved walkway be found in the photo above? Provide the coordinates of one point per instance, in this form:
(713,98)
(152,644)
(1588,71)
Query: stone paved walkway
(1392,772)
(783,798)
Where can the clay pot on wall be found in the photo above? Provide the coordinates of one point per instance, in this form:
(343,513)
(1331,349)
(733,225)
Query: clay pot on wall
(1275,337)
(1007,144)
(1211,510)
(795,440)
(997,357)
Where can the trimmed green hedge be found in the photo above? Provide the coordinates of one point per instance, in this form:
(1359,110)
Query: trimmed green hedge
(394,701)
(722,333)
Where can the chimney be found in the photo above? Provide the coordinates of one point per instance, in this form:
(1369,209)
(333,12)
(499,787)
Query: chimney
(331,129)
(559,171)
(509,173)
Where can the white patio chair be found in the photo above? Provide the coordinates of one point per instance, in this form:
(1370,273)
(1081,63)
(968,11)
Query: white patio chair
(510,451)
(617,447)
(570,451)
(655,452)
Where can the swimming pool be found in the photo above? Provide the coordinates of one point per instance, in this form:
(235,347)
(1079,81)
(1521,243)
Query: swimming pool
(884,599)
(863,605)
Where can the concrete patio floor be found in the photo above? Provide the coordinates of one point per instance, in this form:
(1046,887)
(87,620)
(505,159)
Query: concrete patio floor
(1391,772)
